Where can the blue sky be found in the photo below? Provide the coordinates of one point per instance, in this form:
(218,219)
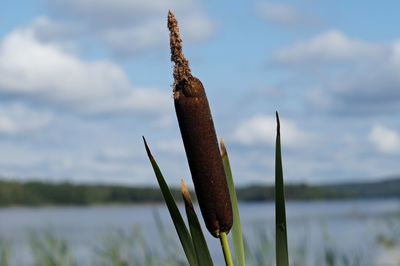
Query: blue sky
(82,80)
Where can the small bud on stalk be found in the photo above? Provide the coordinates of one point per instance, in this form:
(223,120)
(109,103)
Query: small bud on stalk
(200,141)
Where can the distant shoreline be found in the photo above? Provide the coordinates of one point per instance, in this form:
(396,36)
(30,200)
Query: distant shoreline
(36,193)
(180,203)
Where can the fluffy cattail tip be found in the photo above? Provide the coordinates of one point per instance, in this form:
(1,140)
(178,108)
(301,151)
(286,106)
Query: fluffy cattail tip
(181,64)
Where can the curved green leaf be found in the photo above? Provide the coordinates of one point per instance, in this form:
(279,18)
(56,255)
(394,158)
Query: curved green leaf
(236,231)
(180,226)
(199,241)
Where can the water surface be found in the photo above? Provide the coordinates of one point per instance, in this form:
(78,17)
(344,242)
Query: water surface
(347,226)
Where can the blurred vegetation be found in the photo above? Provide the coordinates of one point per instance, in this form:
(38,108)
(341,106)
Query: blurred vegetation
(132,247)
(48,250)
(5,251)
(43,193)
(120,248)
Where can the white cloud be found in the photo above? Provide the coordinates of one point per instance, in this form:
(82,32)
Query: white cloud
(261,130)
(151,34)
(386,140)
(328,47)
(346,75)
(117,154)
(127,27)
(172,147)
(135,39)
(61,32)
(73,166)
(286,15)
(47,74)
(18,119)
(110,13)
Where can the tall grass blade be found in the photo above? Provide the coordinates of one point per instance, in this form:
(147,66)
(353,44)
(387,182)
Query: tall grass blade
(180,226)
(5,251)
(199,241)
(49,250)
(167,241)
(282,257)
(236,230)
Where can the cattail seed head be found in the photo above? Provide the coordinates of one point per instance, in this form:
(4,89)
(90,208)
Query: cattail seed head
(200,140)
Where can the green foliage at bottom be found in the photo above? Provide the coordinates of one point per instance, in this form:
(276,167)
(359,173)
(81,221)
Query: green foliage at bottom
(49,250)
(5,252)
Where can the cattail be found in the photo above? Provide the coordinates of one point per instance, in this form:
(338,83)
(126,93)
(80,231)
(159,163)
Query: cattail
(200,141)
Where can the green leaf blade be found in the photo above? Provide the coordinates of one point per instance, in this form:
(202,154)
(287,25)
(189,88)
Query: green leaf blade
(236,230)
(282,257)
(180,226)
(199,241)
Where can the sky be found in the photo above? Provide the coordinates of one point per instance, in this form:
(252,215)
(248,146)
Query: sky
(81,81)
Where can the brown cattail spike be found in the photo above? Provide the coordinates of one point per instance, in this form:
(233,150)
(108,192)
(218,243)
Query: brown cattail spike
(200,141)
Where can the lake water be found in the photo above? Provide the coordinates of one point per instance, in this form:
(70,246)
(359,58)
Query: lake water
(366,232)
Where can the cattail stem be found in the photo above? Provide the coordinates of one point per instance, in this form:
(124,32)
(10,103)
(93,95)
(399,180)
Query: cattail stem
(225,249)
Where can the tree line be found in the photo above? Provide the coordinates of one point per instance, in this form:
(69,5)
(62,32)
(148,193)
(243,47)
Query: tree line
(35,193)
